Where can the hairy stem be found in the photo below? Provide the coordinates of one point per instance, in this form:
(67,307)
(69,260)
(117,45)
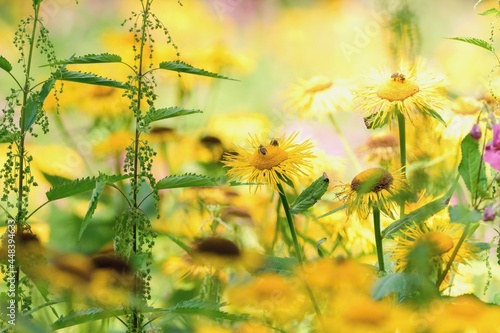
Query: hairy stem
(378,239)
(298,253)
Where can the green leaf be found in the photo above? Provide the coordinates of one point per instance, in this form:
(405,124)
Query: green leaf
(90,59)
(88,78)
(6,136)
(435,115)
(5,64)
(482,246)
(475,41)
(35,102)
(331,212)
(462,214)
(199,307)
(471,167)
(318,247)
(420,215)
(94,199)
(490,11)
(182,67)
(310,195)
(165,113)
(177,241)
(278,265)
(398,283)
(77,186)
(85,316)
(186,180)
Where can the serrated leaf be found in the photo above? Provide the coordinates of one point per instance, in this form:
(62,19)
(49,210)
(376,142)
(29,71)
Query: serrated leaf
(186,180)
(77,186)
(88,78)
(490,11)
(310,195)
(182,67)
(90,59)
(6,136)
(170,112)
(85,316)
(475,41)
(35,102)
(420,215)
(94,199)
(471,167)
(462,214)
(5,64)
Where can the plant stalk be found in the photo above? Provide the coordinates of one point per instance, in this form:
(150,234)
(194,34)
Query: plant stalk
(298,253)
(378,239)
(402,154)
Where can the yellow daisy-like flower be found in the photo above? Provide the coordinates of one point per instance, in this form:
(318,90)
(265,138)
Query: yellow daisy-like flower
(439,238)
(269,161)
(375,187)
(411,91)
(381,148)
(317,97)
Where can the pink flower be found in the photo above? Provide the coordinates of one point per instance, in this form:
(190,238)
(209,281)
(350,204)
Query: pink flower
(492,149)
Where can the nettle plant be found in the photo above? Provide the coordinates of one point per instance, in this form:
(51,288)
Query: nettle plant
(23,118)
(134,238)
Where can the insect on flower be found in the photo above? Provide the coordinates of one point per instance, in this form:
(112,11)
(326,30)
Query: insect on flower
(262,150)
(398,77)
(274,142)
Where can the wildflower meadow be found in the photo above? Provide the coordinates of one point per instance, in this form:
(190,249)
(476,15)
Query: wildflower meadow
(245,166)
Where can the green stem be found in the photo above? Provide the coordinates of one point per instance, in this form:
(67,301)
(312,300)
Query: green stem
(402,153)
(298,253)
(378,239)
(453,255)
(345,144)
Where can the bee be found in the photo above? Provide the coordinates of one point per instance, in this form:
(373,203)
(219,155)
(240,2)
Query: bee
(398,77)
(262,150)
(274,142)
(325,178)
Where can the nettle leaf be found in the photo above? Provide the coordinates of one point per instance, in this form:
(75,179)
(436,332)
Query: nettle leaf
(88,78)
(170,112)
(6,136)
(77,186)
(182,67)
(310,195)
(420,215)
(186,180)
(90,59)
(471,167)
(475,41)
(490,11)
(5,64)
(462,214)
(85,316)
(35,102)
(94,199)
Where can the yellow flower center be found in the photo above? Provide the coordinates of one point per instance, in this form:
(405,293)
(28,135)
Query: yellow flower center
(397,88)
(382,141)
(437,241)
(318,84)
(372,180)
(268,157)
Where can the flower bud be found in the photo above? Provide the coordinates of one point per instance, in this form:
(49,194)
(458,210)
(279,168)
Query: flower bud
(475,132)
(489,213)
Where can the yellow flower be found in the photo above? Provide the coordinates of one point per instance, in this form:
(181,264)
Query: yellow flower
(375,187)
(381,148)
(269,161)
(318,96)
(439,238)
(411,91)
(462,115)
